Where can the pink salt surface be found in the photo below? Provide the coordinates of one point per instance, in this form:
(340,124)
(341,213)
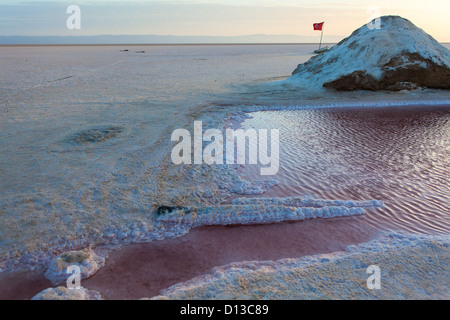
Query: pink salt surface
(22,285)
(143,270)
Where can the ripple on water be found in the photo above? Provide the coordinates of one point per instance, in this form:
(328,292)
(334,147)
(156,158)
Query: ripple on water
(399,155)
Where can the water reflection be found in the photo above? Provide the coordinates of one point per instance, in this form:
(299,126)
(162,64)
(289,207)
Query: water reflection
(398,155)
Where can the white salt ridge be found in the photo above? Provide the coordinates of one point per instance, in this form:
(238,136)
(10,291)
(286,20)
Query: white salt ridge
(254,214)
(305,202)
(369,50)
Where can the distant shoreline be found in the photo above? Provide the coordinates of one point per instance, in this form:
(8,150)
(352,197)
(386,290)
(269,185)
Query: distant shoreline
(164,44)
(154,44)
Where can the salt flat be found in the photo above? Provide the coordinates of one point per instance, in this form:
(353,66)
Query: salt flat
(85,137)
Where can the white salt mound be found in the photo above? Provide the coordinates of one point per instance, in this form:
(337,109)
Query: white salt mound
(396,56)
(87,260)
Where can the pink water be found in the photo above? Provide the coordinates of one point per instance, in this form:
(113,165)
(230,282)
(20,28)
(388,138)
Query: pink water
(399,155)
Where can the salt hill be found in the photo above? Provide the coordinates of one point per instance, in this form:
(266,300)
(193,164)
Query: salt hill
(396,56)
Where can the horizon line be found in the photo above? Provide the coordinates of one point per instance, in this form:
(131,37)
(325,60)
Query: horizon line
(167,44)
(161,44)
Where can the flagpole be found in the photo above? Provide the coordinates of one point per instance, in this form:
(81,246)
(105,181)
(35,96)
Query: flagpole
(320,45)
(321,35)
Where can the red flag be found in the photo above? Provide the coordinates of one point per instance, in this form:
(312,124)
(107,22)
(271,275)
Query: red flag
(318,26)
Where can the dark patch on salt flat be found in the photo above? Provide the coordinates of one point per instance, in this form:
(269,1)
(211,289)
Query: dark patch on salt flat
(94,135)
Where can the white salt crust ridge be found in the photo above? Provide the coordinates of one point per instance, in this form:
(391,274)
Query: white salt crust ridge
(413,266)
(254,214)
(112,238)
(305,202)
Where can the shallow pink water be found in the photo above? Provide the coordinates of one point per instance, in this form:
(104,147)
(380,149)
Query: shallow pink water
(143,270)
(399,155)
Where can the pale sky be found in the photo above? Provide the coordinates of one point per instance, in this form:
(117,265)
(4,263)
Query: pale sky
(215,17)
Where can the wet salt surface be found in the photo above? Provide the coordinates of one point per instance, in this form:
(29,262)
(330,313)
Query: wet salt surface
(71,191)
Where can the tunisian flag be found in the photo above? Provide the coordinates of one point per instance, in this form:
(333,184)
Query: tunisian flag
(318,26)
